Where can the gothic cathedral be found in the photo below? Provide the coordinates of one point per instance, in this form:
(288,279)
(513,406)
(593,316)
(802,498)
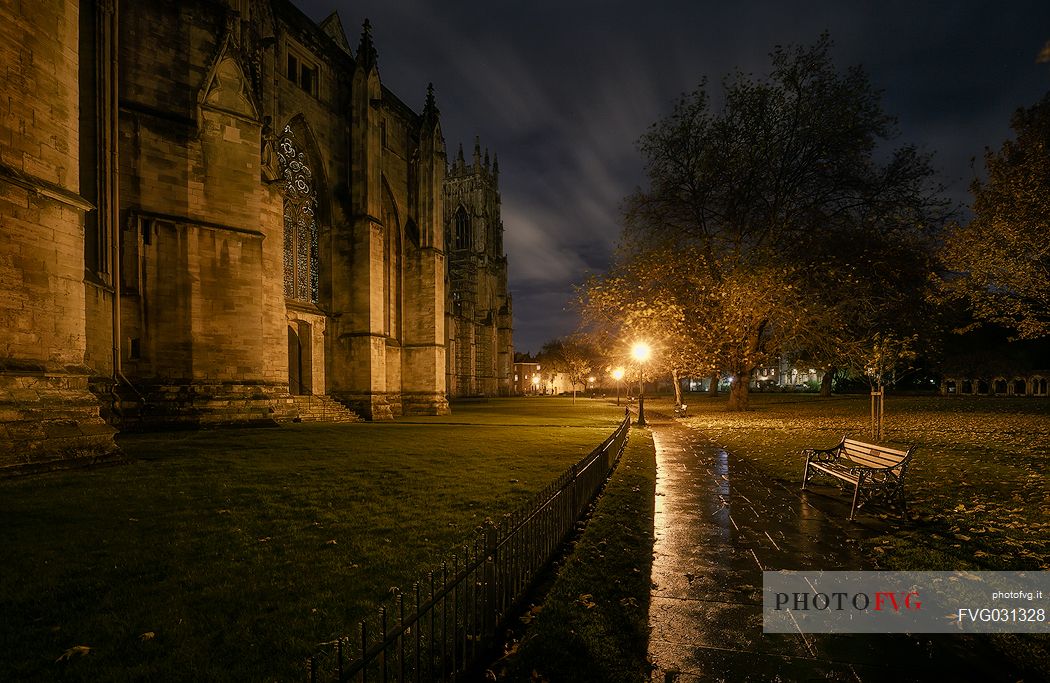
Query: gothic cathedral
(214,212)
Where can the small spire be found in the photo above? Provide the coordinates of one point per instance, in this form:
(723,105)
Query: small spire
(431,104)
(458,163)
(495,164)
(486,158)
(477,152)
(366,49)
(430,110)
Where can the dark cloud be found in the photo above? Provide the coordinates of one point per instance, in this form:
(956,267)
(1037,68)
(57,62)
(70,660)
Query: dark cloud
(563,90)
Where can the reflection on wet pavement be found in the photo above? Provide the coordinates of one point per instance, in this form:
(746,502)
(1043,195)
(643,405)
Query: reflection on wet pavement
(719,523)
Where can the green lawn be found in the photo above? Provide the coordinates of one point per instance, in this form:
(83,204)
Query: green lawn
(230,554)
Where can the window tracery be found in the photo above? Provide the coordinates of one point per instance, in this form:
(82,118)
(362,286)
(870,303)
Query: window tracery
(301,261)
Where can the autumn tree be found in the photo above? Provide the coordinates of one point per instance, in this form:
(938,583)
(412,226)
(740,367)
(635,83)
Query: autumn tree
(642,299)
(762,203)
(999,262)
(574,357)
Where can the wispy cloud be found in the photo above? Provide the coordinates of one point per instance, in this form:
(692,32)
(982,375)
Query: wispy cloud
(563,90)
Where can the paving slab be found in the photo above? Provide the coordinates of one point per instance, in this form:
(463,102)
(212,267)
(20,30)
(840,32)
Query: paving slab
(719,523)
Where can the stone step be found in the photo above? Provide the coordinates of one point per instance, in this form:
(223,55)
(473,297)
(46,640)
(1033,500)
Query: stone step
(323,409)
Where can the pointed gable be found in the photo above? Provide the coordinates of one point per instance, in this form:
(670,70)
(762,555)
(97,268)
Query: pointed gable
(226,87)
(333,28)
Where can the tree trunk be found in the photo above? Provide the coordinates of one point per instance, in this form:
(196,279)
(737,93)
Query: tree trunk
(826,381)
(677,387)
(574,394)
(738,392)
(712,388)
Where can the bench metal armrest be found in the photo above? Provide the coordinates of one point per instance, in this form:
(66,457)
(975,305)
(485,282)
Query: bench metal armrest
(821,454)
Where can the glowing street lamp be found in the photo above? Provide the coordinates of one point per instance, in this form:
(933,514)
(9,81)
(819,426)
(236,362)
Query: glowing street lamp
(641,352)
(617,374)
(535,384)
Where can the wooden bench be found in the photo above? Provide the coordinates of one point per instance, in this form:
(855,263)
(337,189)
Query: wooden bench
(876,472)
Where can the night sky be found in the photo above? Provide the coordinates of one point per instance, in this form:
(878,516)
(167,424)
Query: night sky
(561,91)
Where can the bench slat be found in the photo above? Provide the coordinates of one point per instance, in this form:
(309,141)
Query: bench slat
(853,443)
(869,460)
(870,455)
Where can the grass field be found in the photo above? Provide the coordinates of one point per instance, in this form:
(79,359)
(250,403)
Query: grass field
(230,554)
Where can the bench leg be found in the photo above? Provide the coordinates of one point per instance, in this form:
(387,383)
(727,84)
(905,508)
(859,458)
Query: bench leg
(856,496)
(805,475)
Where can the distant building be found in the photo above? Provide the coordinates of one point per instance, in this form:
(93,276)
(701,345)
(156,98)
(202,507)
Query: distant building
(1034,385)
(786,375)
(984,363)
(779,376)
(528,379)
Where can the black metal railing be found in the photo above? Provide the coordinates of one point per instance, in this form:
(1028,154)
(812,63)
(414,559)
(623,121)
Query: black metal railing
(440,627)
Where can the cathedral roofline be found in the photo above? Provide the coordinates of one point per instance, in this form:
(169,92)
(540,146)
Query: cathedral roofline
(333,28)
(312,34)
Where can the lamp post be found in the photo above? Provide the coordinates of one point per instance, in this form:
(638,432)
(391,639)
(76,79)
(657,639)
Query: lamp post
(617,375)
(641,353)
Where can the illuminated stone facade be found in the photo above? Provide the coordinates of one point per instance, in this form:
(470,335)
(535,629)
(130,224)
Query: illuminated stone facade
(479,313)
(210,208)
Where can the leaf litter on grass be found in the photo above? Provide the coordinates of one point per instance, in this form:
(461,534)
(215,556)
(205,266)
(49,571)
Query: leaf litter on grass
(978,472)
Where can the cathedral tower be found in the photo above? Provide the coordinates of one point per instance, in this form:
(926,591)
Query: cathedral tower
(480,348)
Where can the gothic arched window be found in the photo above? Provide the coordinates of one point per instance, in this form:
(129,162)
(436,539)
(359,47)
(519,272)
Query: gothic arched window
(462,229)
(300,222)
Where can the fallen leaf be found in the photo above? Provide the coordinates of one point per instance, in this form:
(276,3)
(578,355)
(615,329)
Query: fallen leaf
(75,650)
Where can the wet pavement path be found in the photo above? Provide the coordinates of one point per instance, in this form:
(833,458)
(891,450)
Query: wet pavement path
(719,524)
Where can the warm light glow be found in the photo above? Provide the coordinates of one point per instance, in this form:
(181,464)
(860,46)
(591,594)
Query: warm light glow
(617,374)
(536,380)
(641,351)
(590,379)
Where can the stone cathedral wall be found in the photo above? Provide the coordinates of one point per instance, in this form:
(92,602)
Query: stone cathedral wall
(46,411)
(202,307)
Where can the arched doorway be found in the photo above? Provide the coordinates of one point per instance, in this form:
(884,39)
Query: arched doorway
(1039,386)
(300,362)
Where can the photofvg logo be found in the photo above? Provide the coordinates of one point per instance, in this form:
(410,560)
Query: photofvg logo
(905,602)
(840,601)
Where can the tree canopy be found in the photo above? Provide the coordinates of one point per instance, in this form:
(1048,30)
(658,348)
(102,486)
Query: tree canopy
(773,221)
(999,262)
(575,357)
